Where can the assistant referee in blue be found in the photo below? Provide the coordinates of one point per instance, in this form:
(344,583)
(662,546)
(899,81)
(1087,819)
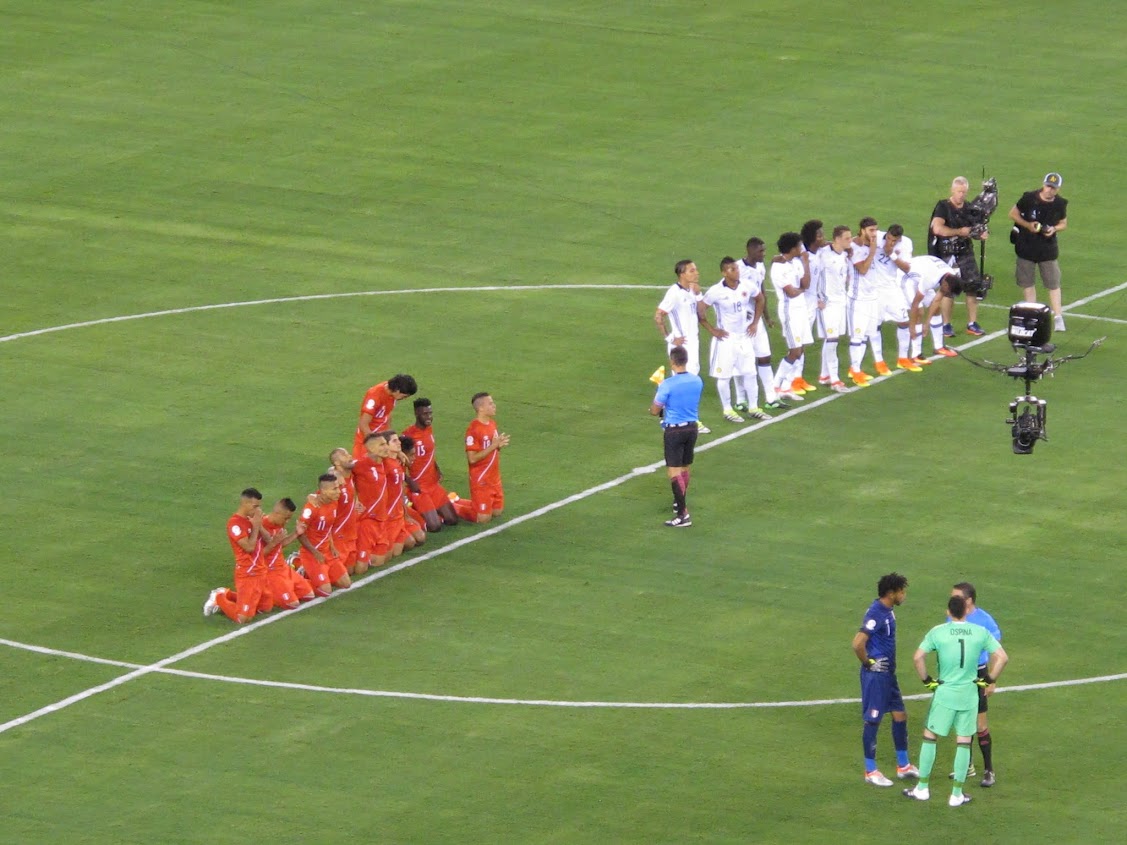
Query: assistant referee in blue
(677,403)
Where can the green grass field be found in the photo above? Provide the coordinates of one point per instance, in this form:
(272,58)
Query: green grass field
(160,157)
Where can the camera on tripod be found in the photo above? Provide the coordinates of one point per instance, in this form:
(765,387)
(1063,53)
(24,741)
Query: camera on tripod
(1030,329)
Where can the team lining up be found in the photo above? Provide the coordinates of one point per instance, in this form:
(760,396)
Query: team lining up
(370,506)
(846,287)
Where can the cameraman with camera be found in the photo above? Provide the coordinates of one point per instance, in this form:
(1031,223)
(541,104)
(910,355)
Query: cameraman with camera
(954,224)
(1038,216)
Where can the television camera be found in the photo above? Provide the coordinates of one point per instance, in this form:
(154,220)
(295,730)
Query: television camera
(1030,328)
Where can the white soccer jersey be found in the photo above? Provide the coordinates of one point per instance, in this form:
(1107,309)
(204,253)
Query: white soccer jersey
(786,274)
(885,273)
(864,288)
(681,306)
(731,306)
(753,277)
(927,272)
(837,270)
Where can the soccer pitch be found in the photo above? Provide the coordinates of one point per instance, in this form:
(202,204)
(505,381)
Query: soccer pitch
(223,222)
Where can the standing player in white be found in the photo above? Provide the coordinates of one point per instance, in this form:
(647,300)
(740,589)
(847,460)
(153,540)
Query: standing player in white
(933,280)
(862,311)
(813,239)
(790,276)
(894,251)
(753,275)
(730,353)
(832,292)
(680,305)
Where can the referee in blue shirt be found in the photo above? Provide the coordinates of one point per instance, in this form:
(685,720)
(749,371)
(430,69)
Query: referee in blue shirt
(677,403)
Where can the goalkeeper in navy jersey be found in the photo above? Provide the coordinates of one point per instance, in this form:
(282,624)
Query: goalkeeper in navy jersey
(875,646)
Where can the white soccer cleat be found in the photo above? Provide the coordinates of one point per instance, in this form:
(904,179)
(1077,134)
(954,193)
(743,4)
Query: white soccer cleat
(703,429)
(919,794)
(732,417)
(1058,323)
(876,778)
(958,800)
(211,606)
(908,771)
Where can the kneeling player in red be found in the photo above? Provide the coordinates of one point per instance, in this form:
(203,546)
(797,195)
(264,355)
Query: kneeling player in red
(279,575)
(423,467)
(373,546)
(323,567)
(408,536)
(244,531)
(483,446)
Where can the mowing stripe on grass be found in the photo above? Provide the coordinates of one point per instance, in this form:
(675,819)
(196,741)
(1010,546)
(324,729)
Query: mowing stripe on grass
(527,702)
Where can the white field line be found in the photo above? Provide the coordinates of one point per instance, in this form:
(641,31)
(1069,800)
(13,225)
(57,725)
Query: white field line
(310,298)
(479,289)
(383,573)
(528,702)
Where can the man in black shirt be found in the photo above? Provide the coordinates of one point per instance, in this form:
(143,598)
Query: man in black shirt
(1038,217)
(949,237)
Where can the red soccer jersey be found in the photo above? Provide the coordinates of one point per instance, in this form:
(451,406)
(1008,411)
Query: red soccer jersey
(345,523)
(479,436)
(371,487)
(246,563)
(395,474)
(424,469)
(275,558)
(318,521)
(378,403)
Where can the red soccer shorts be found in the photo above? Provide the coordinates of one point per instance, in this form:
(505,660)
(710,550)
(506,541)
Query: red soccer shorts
(253,594)
(437,495)
(372,539)
(281,587)
(321,574)
(421,502)
(487,498)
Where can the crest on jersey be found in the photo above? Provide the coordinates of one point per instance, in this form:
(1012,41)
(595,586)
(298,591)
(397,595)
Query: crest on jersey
(871,624)
(469,441)
(236,530)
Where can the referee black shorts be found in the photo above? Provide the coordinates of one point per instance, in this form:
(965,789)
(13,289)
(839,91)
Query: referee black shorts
(679,443)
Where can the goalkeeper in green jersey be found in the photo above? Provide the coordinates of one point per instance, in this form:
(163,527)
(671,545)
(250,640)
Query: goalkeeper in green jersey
(957,644)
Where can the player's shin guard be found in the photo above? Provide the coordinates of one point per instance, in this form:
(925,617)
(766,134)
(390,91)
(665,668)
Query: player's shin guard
(936,327)
(876,341)
(903,341)
(927,760)
(724,388)
(900,741)
(767,379)
(856,353)
(962,764)
(985,745)
(741,393)
(784,375)
(830,365)
(750,390)
(869,744)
